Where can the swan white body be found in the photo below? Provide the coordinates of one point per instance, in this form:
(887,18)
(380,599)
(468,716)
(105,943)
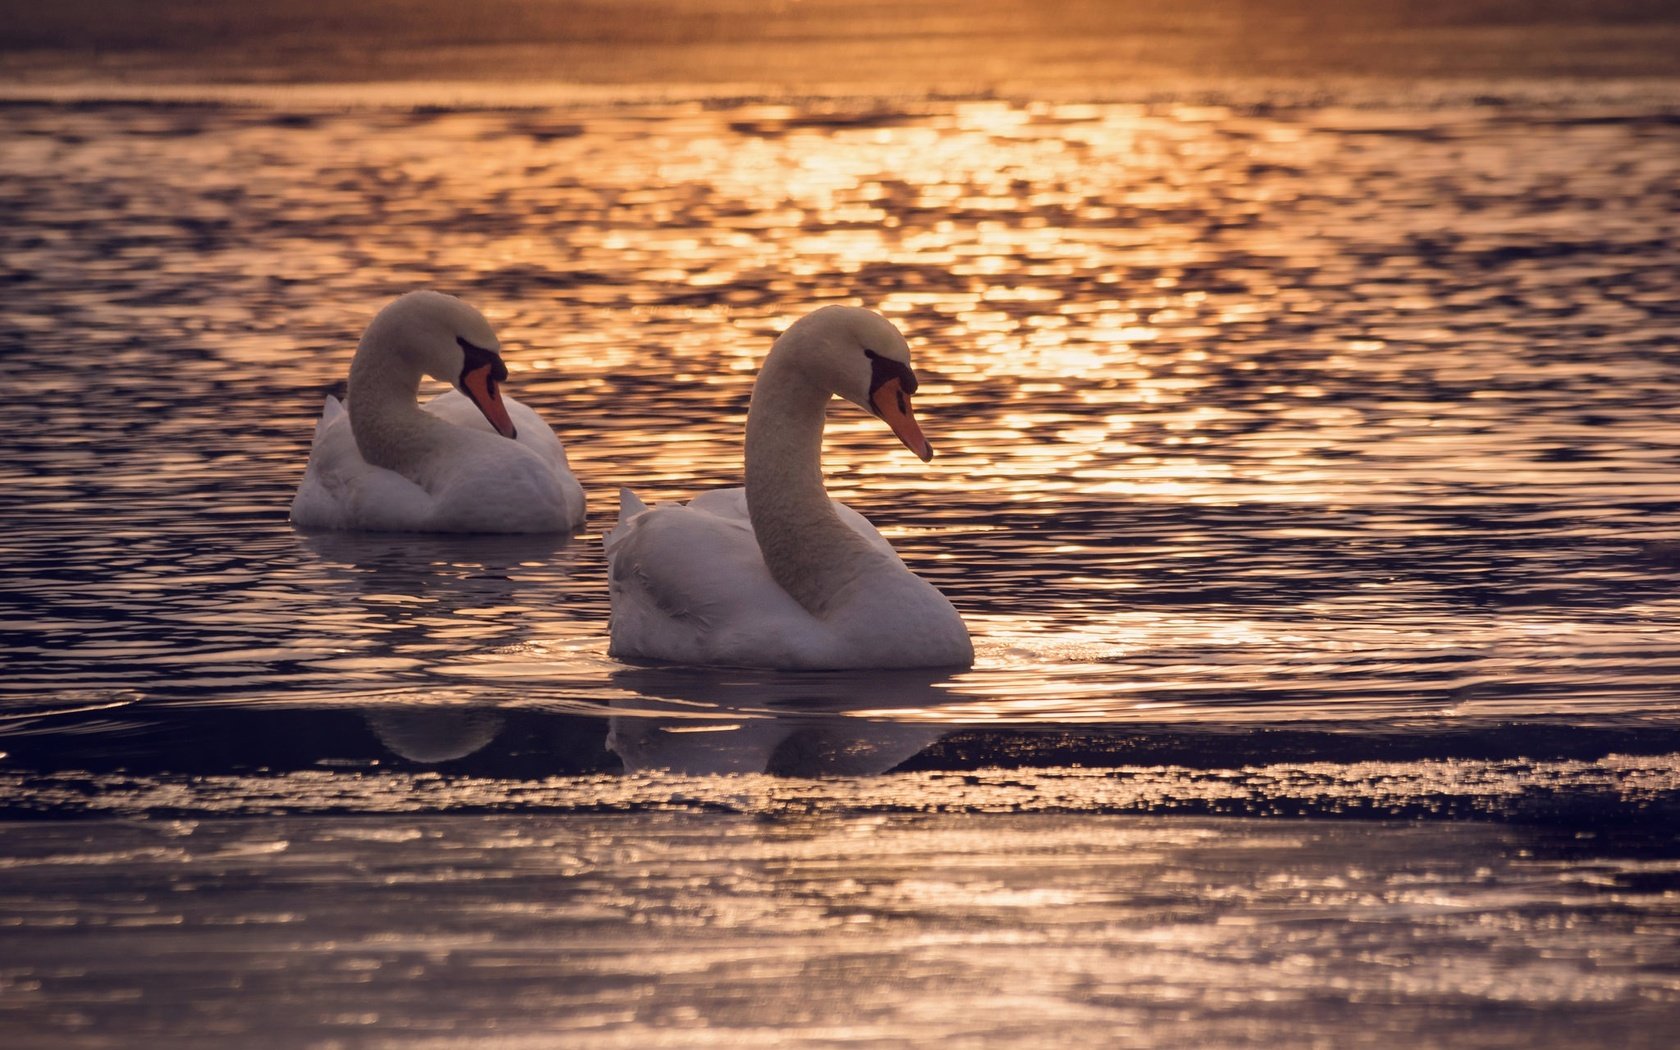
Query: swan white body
(777,574)
(478,481)
(387,463)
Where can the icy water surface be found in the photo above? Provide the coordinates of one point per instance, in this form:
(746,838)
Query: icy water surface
(715,930)
(1294,461)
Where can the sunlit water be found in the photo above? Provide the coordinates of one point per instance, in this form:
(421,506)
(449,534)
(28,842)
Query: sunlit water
(1292,460)
(723,931)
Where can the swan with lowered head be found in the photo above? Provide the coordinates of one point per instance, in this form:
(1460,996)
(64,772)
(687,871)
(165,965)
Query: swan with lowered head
(777,574)
(467,461)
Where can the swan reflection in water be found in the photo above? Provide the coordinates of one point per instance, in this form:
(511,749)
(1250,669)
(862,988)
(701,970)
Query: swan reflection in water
(431,593)
(430,735)
(696,723)
(703,722)
(685,720)
(408,596)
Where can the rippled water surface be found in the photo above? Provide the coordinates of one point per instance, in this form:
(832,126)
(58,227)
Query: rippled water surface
(1242,414)
(1293,460)
(723,931)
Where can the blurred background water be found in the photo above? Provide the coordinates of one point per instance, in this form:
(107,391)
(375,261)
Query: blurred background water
(1302,454)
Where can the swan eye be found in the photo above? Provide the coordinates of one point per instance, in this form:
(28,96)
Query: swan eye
(475,357)
(885,368)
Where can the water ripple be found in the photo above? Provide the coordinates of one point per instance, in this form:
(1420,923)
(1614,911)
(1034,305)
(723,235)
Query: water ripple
(1245,416)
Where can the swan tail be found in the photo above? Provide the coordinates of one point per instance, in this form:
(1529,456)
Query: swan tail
(629,505)
(331,409)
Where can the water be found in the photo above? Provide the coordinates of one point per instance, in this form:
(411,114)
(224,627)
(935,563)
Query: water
(722,931)
(1315,414)
(1295,460)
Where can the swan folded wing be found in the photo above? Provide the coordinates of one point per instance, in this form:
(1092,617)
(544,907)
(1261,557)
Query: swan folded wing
(331,410)
(629,505)
(452,406)
(727,504)
(532,500)
(341,490)
(862,526)
(686,560)
(731,505)
(501,488)
(689,585)
(486,484)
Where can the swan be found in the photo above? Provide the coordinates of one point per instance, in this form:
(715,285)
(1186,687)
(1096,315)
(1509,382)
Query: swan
(466,461)
(777,574)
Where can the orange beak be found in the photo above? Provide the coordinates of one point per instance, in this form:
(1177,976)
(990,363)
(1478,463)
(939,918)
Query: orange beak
(480,385)
(893,405)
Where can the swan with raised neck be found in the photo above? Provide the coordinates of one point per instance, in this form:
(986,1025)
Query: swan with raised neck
(419,335)
(837,350)
(467,460)
(776,574)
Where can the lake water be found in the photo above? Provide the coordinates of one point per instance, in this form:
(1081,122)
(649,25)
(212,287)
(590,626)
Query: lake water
(1296,461)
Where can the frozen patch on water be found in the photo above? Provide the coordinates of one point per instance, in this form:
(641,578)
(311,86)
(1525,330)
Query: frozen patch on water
(704,928)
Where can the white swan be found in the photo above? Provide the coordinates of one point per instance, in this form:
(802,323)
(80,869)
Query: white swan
(389,464)
(777,574)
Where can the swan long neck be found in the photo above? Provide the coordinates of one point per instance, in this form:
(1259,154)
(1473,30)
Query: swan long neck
(810,552)
(390,428)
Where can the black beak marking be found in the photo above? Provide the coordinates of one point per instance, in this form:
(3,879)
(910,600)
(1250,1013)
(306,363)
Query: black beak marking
(883,369)
(475,357)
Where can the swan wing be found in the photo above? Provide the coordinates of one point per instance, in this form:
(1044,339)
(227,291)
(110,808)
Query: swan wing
(454,407)
(629,505)
(341,490)
(550,493)
(731,505)
(477,481)
(862,526)
(689,585)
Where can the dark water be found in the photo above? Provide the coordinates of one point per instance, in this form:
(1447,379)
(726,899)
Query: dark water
(1295,461)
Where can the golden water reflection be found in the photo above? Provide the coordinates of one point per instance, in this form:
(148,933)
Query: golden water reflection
(1309,408)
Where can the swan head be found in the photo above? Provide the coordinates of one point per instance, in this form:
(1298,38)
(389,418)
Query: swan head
(442,337)
(859,355)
